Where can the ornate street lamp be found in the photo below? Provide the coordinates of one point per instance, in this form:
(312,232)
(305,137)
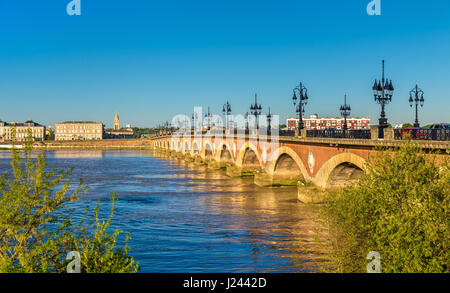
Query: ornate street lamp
(246,121)
(185,123)
(302,102)
(226,110)
(269,121)
(382,92)
(255,110)
(416,91)
(194,121)
(208,117)
(345,112)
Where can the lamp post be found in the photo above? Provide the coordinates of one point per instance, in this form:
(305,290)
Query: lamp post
(345,112)
(302,101)
(246,122)
(208,117)
(382,92)
(226,110)
(416,92)
(185,122)
(269,121)
(255,110)
(194,121)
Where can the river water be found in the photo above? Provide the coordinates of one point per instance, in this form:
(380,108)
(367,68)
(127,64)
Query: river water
(185,219)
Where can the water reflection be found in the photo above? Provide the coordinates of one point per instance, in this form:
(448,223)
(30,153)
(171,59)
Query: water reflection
(186,218)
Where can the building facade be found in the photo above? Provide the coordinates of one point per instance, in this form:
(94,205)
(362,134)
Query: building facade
(314,122)
(79,130)
(21,131)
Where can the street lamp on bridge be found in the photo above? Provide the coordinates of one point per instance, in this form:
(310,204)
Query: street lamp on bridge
(208,117)
(382,92)
(255,110)
(416,92)
(194,121)
(302,101)
(269,121)
(226,110)
(246,122)
(345,112)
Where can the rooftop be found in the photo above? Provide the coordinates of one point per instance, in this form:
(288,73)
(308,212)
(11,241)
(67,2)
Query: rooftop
(78,122)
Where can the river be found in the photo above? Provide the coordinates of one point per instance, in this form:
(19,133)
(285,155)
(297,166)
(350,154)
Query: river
(185,218)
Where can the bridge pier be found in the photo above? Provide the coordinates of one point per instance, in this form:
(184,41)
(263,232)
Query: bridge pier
(310,194)
(198,160)
(235,171)
(263,179)
(215,165)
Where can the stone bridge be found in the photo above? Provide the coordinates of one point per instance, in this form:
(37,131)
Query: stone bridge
(284,160)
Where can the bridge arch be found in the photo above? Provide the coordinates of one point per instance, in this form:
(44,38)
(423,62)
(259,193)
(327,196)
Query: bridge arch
(208,150)
(249,155)
(340,168)
(224,153)
(187,147)
(284,161)
(196,150)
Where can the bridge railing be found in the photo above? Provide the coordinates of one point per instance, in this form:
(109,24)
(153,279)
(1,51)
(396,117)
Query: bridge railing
(422,134)
(334,133)
(287,133)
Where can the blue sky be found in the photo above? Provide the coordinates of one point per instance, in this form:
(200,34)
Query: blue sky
(150,60)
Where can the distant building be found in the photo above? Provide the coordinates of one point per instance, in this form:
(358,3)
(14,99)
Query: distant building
(118,132)
(116,122)
(21,129)
(314,122)
(79,130)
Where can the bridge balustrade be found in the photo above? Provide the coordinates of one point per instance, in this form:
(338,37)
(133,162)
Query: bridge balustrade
(422,134)
(334,133)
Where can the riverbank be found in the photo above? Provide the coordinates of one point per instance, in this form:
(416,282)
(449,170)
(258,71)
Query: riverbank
(105,144)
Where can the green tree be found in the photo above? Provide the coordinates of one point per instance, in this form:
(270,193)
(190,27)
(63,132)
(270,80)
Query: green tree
(37,230)
(50,135)
(400,209)
(407,125)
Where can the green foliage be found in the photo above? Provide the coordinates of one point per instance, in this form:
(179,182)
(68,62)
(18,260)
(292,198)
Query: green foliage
(138,132)
(407,125)
(400,208)
(50,135)
(36,227)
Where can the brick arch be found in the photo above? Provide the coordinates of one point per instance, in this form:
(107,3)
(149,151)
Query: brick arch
(186,146)
(218,155)
(240,158)
(284,150)
(322,177)
(210,144)
(176,144)
(196,146)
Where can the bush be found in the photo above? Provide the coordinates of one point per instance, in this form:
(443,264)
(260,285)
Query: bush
(400,209)
(36,226)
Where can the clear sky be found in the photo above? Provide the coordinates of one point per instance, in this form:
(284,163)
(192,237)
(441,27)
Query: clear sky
(150,60)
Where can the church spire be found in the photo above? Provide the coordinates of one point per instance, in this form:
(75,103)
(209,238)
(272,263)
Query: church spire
(116,122)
